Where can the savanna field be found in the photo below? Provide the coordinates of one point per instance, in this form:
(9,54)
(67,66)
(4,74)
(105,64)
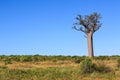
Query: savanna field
(37,67)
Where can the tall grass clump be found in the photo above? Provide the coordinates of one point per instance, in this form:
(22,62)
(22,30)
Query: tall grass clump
(102,68)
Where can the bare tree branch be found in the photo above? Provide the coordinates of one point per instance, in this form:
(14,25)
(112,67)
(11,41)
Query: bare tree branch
(79,29)
(89,23)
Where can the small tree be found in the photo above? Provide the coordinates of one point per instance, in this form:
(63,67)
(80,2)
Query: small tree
(89,25)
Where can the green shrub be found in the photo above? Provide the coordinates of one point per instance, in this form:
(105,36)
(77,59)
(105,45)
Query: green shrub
(102,68)
(78,60)
(35,58)
(54,60)
(102,58)
(87,66)
(118,62)
(3,67)
(26,58)
(7,60)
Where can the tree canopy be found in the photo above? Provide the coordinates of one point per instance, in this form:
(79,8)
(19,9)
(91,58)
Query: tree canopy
(89,23)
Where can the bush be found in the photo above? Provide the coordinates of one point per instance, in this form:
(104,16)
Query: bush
(78,60)
(118,62)
(7,60)
(87,66)
(3,67)
(101,67)
(35,58)
(26,58)
(102,58)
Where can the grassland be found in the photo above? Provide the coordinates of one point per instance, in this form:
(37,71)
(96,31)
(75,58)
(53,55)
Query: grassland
(36,67)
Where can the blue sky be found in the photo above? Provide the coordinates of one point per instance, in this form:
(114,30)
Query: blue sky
(44,27)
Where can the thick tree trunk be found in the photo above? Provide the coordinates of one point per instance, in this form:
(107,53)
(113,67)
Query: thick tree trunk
(90,44)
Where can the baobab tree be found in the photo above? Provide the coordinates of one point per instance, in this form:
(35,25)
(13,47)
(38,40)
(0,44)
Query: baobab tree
(88,24)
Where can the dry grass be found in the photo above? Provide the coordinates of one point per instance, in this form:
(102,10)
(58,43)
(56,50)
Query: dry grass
(46,64)
(111,63)
(64,64)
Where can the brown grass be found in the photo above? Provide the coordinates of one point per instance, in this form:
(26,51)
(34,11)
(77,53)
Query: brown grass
(111,63)
(46,64)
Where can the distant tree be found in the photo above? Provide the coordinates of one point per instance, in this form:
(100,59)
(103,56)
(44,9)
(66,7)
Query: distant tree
(89,25)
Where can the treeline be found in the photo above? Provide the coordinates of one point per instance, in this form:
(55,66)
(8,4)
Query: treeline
(36,58)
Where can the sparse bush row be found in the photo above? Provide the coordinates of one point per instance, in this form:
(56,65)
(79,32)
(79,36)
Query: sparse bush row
(35,58)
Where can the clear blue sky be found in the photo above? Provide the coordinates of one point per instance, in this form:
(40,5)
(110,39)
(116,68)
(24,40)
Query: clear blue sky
(45,27)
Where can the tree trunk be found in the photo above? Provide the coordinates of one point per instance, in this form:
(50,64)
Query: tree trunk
(90,44)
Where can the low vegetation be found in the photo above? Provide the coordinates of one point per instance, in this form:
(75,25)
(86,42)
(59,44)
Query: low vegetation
(37,67)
